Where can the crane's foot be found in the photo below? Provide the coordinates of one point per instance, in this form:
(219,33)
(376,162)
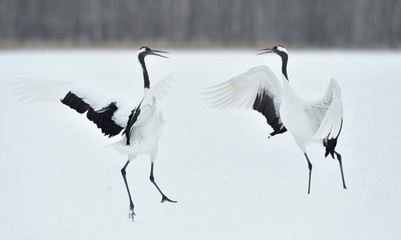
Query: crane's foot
(131,216)
(164,198)
(131,213)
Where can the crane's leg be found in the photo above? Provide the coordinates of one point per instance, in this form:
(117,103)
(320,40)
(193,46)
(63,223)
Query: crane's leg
(152,178)
(310,171)
(301,145)
(341,168)
(131,204)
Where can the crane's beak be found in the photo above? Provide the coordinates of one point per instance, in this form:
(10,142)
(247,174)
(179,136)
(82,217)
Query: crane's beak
(155,52)
(265,50)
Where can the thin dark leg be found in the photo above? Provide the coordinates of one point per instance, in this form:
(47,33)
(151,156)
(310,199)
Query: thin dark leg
(310,171)
(341,168)
(152,179)
(131,204)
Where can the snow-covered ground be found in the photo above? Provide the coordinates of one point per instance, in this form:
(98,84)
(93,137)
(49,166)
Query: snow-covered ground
(59,181)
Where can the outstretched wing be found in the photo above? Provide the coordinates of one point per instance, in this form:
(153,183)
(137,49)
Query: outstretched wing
(258,88)
(328,115)
(160,89)
(328,112)
(108,113)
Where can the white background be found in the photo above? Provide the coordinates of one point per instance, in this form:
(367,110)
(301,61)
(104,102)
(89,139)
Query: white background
(59,181)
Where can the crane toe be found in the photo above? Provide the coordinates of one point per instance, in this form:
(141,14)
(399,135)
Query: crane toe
(131,214)
(164,198)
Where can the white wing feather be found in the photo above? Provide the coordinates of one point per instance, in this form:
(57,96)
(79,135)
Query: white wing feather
(328,112)
(43,90)
(160,89)
(53,91)
(241,91)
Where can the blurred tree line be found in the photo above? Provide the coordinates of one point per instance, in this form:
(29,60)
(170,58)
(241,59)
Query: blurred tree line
(323,23)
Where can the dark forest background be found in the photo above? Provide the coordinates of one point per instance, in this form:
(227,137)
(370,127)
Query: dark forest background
(201,23)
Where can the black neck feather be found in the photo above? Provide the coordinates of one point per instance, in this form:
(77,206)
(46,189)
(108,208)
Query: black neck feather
(284,58)
(144,71)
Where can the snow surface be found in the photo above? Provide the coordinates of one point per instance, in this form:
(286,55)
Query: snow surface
(58,181)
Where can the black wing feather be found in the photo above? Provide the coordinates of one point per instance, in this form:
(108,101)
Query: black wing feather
(264,104)
(102,117)
(131,121)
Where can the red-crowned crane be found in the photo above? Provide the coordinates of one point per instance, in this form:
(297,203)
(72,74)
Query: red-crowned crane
(284,110)
(141,124)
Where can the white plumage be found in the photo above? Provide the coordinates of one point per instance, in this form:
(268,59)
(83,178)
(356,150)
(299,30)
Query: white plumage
(307,121)
(145,133)
(241,91)
(328,111)
(53,91)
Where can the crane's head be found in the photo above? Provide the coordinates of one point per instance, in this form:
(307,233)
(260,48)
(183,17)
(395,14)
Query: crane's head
(278,49)
(145,51)
(282,52)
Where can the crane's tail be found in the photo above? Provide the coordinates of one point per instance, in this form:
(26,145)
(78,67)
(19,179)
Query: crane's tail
(330,145)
